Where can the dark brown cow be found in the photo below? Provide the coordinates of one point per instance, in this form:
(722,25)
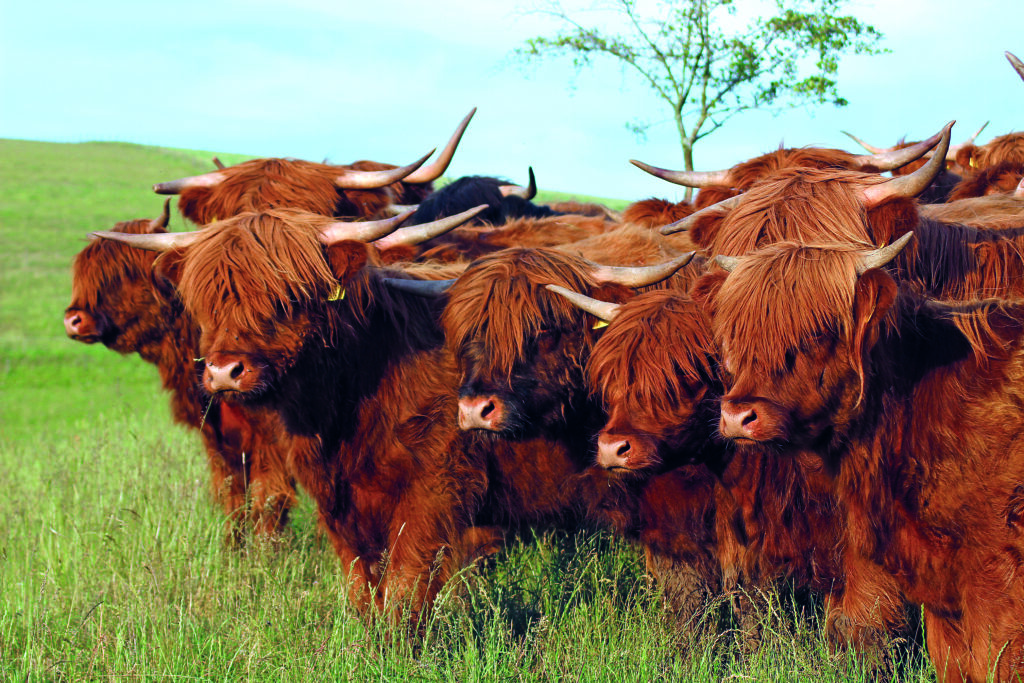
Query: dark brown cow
(915,407)
(116,300)
(656,371)
(357,375)
(363,189)
(521,351)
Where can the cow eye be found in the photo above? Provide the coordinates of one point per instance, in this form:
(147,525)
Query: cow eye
(790,360)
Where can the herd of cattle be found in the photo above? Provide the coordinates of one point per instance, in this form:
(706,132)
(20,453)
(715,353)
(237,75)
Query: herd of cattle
(811,373)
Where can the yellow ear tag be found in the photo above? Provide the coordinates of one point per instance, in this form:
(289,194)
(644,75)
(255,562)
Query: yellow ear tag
(336,294)
(599,324)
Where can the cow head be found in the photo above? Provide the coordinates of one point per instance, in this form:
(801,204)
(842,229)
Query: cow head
(520,347)
(794,325)
(655,372)
(114,298)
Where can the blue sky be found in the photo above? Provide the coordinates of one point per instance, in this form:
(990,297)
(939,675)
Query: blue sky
(389,80)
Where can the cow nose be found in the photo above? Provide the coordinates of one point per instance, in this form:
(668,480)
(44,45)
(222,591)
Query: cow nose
(739,421)
(226,377)
(78,324)
(480,412)
(612,452)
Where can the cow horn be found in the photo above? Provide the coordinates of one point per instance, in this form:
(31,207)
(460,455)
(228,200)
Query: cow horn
(362,231)
(527,193)
(879,257)
(685,178)
(640,276)
(728,263)
(396,209)
(160,223)
(688,222)
(870,148)
(371,180)
(915,183)
(890,159)
(604,310)
(1019,192)
(218,163)
(176,186)
(433,170)
(954,149)
(1018,65)
(416,234)
(427,288)
(161,241)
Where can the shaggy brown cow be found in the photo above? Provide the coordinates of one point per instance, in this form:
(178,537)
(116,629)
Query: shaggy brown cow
(1005,148)
(116,300)
(656,371)
(521,352)
(1001,178)
(357,375)
(897,394)
(364,189)
(717,186)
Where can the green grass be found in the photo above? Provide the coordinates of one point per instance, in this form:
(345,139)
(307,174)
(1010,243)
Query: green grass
(112,556)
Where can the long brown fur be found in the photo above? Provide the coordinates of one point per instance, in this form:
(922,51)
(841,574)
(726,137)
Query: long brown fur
(115,285)
(915,407)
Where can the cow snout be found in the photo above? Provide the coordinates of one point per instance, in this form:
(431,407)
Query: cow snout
(613,452)
(739,421)
(225,377)
(79,324)
(481,412)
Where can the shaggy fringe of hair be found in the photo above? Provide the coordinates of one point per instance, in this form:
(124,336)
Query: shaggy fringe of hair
(745,175)
(632,365)
(783,295)
(501,300)
(1001,178)
(807,205)
(1009,147)
(92,272)
(243,272)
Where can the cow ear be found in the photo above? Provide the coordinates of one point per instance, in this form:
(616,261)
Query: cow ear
(873,296)
(347,258)
(613,293)
(965,157)
(166,271)
(705,290)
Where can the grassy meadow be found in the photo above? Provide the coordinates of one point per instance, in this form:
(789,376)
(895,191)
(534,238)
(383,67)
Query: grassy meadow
(113,563)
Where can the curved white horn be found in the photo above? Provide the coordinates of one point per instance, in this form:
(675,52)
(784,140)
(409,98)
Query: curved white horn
(434,169)
(176,186)
(1018,65)
(915,183)
(161,241)
(879,257)
(640,276)
(605,310)
(416,234)
(527,193)
(362,231)
(886,161)
(163,219)
(685,178)
(371,180)
(689,221)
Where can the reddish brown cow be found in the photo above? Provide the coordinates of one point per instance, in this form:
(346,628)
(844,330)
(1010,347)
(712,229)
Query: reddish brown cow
(656,371)
(521,352)
(897,394)
(1001,178)
(717,186)
(364,189)
(358,378)
(1005,148)
(116,300)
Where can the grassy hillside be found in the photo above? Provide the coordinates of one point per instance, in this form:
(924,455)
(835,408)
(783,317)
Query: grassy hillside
(112,558)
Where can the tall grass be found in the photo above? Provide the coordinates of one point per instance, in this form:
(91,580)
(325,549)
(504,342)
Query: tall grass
(113,560)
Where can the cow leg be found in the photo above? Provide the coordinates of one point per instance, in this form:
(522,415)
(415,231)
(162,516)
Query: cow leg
(685,591)
(272,491)
(867,613)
